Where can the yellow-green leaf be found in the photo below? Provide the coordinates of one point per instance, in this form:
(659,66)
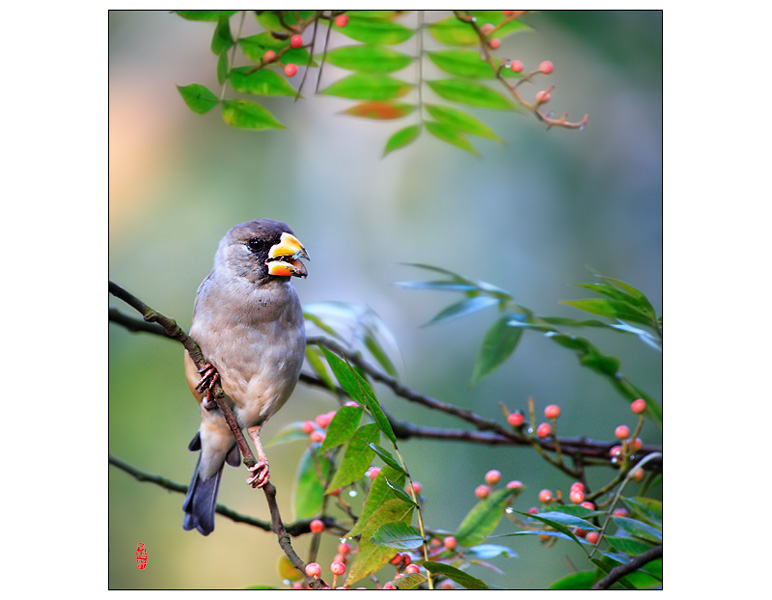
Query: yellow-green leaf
(470,92)
(357,457)
(375,31)
(198,98)
(245,114)
(364,86)
(263,82)
(308,490)
(368,59)
(461,121)
(454,32)
(480,522)
(451,135)
(402,138)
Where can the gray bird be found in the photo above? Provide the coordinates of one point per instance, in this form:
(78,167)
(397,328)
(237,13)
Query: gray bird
(249,324)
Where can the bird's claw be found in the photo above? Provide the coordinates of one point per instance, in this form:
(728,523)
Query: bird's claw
(259,476)
(209,376)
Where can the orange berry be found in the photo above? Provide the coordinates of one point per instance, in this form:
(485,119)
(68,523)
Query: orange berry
(317,526)
(592,537)
(341,20)
(269,56)
(290,70)
(450,542)
(552,411)
(545,496)
(546,67)
(313,569)
(492,477)
(638,475)
(516,66)
(296,41)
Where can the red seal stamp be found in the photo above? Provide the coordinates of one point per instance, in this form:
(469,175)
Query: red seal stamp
(141,556)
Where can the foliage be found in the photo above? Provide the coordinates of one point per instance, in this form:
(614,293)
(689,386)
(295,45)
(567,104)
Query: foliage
(377,76)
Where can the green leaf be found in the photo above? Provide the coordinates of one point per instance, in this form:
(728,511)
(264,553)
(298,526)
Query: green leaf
(263,82)
(457,575)
(222,68)
(313,358)
(365,86)
(398,535)
(386,457)
(382,111)
(198,98)
(498,344)
(375,31)
(343,425)
(614,309)
(402,138)
(495,17)
(557,519)
(308,490)
(471,93)
(357,457)
(638,529)
(245,114)
(255,46)
(583,580)
(222,41)
(629,545)
(205,15)
(399,492)
(270,20)
(371,557)
(461,121)
(463,63)
(368,59)
(410,581)
(480,522)
(648,508)
(359,389)
(454,32)
(450,135)
(463,307)
(381,491)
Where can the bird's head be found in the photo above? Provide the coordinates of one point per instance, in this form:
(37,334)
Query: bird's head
(263,249)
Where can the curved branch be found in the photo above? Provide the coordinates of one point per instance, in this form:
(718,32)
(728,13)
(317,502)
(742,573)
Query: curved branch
(633,565)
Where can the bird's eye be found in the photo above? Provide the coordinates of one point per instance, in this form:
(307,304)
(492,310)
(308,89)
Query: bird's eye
(254,245)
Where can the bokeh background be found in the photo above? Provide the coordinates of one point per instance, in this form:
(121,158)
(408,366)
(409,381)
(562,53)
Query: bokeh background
(534,216)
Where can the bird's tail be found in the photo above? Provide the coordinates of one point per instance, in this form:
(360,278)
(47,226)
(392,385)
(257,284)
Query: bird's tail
(201,499)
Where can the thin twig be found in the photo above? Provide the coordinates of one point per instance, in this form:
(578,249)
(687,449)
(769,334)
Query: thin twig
(633,565)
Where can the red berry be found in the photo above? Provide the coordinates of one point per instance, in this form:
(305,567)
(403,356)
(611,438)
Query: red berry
(638,406)
(620,512)
(313,569)
(388,586)
(515,419)
(317,436)
(588,505)
(416,486)
(412,569)
(615,451)
(406,558)
(481,491)
(372,472)
(494,43)
(542,96)
(637,444)
(324,419)
(344,548)
(514,484)
(290,69)
(545,496)
(580,533)
(492,477)
(516,66)
(533,510)
(450,542)
(622,432)
(552,411)
(296,41)
(592,537)
(337,568)
(336,492)
(577,485)
(269,56)
(487,28)
(317,526)
(543,430)
(308,427)
(545,67)
(341,20)
(576,496)
(638,475)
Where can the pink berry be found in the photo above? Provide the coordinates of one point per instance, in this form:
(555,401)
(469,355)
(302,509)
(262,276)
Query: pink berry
(337,568)
(344,548)
(622,432)
(317,436)
(516,66)
(317,526)
(486,29)
(290,70)
(372,472)
(576,496)
(620,512)
(341,20)
(542,96)
(416,486)
(638,406)
(533,511)
(545,67)
(308,427)
(269,56)
(592,537)
(637,444)
(412,569)
(450,542)
(324,419)
(552,411)
(313,569)
(516,419)
(615,451)
(638,475)
(588,505)
(577,485)
(543,430)
(545,496)
(514,484)
(492,477)
(296,41)
(494,43)
(481,491)
(388,586)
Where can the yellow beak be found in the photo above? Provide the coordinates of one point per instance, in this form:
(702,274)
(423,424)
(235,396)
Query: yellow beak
(284,257)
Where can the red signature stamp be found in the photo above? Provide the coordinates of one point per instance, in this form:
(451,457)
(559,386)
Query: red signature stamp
(141,556)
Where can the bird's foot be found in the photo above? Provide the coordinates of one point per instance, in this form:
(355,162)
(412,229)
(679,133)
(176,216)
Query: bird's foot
(259,476)
(209,376)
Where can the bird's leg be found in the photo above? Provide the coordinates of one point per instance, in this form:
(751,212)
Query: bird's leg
(209,377)
(259,476)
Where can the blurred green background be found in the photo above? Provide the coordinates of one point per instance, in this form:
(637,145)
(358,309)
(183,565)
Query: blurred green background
(535,216)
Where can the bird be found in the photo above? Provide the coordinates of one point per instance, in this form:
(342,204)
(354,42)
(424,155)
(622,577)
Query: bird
(248,322)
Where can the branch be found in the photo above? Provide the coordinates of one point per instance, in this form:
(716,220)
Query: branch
(633,565)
